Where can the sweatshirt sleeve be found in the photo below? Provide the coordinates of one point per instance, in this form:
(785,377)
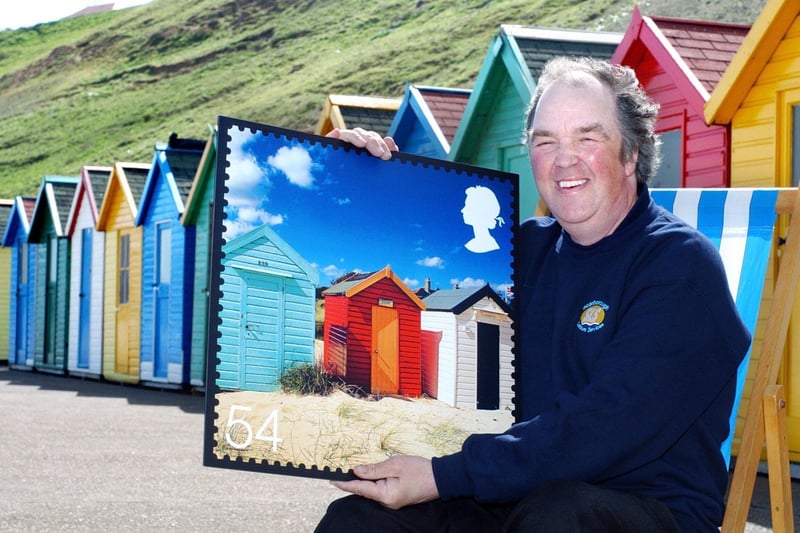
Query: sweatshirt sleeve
(660,386)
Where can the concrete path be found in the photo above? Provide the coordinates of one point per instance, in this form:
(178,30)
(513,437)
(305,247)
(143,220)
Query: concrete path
(83,455)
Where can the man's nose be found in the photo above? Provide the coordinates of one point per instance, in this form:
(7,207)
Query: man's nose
(566,154)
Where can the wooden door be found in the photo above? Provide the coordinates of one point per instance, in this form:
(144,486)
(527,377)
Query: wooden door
(21,332)
(125,310)
(385,373)
(161,290)
(488,393)
(85,298)
(50,299)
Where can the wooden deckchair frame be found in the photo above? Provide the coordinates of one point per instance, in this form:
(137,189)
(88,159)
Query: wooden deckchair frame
(765,419)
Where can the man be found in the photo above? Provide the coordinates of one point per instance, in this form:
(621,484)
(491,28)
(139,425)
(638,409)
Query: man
(629,344)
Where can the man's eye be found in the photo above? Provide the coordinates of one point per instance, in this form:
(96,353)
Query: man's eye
(539,143)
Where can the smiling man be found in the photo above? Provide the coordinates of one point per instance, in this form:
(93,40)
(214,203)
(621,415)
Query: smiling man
(628,343)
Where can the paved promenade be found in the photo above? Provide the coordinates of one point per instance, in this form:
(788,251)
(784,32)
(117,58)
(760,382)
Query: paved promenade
(82,455)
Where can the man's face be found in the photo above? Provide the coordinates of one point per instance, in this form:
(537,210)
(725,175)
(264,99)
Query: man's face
(575,151)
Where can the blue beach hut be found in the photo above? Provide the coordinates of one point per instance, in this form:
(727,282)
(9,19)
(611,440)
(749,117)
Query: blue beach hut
(428,119)
(167,263)
(267,311)
(48,230)
(23,283)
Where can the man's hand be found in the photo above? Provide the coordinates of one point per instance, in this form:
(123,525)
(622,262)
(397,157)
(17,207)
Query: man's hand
(399,481)
(376,145)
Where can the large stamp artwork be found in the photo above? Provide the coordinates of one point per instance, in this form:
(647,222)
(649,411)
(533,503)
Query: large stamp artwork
(359,308)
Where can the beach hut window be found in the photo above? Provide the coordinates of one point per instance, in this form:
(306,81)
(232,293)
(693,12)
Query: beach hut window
(124,267)
(669,171)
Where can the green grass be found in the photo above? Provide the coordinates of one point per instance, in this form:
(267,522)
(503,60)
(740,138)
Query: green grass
(98,89)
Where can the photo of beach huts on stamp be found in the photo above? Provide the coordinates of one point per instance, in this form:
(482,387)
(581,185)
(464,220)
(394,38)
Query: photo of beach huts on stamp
(359,308)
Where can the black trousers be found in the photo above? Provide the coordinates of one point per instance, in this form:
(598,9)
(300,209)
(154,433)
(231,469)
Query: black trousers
(558,506)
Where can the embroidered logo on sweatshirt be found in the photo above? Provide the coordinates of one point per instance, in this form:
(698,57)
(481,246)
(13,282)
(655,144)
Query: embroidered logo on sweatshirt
(592,316)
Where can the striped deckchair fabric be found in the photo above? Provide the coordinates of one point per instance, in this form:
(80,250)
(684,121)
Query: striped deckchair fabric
(741,222)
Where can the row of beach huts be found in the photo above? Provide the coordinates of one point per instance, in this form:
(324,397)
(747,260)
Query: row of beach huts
(87,296)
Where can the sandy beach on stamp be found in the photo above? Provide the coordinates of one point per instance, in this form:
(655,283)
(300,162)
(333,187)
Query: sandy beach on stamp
(342,431)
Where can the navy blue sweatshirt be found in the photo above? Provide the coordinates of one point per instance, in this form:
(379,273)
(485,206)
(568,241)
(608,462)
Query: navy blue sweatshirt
(628,350)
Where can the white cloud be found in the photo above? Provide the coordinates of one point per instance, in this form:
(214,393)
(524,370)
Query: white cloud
(411,283)
(432,262)
(246,179)
(296,163)
(468,283)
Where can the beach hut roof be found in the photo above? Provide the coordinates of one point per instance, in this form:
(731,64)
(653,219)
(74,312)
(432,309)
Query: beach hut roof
(130,179)
(348,111)
(438,110)
(693,53)
(459,300)
(21,212)
(175,162)
(91,189)
(206,171)
(359,282)
(56,195)
(753,55)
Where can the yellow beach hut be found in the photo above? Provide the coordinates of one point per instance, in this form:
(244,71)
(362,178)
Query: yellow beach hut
(123,271)
(349,111)
(758,97)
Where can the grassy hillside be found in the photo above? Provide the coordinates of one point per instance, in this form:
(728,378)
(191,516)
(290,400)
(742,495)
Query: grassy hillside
(105,88)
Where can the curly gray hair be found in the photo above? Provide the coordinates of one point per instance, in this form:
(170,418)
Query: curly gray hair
(636,112)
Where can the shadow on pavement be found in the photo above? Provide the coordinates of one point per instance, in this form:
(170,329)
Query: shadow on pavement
(189,401)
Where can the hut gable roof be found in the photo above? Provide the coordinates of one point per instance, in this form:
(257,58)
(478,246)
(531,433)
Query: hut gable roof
(344,111)
(206,171)
(518,53)
(127,179)
(753,55)
(436,110)
(19,218)
(693,53)
(354,285)
(459,300)
(6,206)
(56,195)
(265,232)
(91,189)
(176,163)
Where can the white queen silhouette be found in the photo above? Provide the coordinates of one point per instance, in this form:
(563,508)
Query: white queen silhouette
(482,212)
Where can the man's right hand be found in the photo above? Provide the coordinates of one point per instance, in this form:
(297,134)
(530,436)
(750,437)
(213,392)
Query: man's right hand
(371,140)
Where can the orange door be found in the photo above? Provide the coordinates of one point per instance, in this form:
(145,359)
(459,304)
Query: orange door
(385,351)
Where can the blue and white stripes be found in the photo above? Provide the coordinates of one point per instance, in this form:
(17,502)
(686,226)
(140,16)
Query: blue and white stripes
(740,222)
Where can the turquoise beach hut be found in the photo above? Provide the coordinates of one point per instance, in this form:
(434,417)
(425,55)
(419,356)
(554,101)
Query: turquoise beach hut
(23,280)
(267,311)
(167,263)
(48,230)
(198,213)
(491,131)
(87,258)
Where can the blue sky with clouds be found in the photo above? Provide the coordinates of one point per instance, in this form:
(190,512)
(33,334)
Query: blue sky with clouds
(343,210)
